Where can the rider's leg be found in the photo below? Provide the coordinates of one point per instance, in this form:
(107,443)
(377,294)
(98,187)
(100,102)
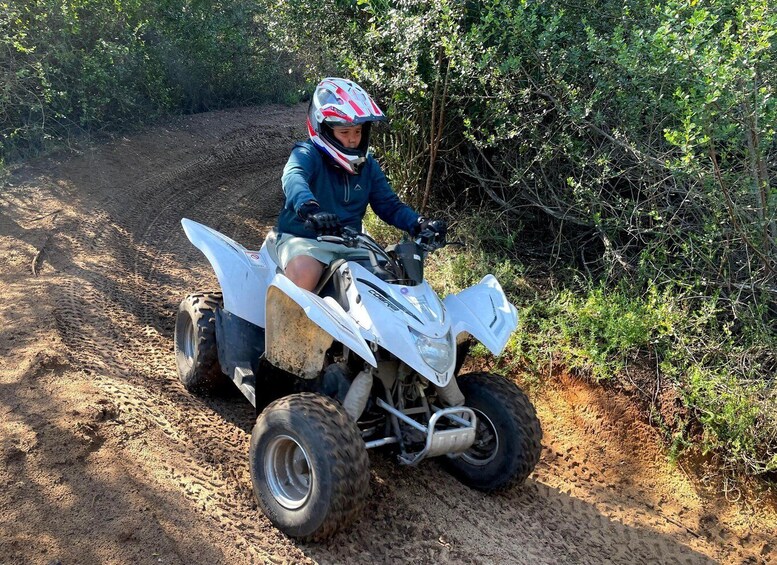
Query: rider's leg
(304,271)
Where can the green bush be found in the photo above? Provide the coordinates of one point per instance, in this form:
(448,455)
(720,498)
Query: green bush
(727,384)
(88,65)
(645,133)
(723,375)
(600,331)
(739,418)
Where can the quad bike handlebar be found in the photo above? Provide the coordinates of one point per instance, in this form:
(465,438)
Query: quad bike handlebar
(427,239)
(401,263)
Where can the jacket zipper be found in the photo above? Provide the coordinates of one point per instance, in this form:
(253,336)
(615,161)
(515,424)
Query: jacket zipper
(347,187)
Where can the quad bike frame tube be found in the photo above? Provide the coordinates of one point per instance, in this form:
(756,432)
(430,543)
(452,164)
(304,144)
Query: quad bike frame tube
(439,442)
(381,442)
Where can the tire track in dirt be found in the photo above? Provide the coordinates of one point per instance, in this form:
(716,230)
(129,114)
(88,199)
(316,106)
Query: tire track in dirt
(204,469)
(114,326)
(438,520)
(132,264)
(92,295)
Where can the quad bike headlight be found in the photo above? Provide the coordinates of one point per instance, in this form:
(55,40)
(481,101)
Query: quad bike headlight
(437,352)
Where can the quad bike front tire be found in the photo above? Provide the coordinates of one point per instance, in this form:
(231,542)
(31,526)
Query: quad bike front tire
(309,466)
(508,440)
(196,353)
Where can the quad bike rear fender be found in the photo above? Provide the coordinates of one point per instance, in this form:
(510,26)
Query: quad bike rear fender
(301,326)
(483,311)
(242,274)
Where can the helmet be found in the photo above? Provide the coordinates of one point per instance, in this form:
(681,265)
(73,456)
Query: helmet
(341,102)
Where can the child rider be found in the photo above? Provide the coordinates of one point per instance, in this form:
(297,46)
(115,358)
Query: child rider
(329,180)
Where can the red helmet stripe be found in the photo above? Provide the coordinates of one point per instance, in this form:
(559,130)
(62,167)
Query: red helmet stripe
(342,93)
(330,83)
(335,113)
(358,109)
(347,98)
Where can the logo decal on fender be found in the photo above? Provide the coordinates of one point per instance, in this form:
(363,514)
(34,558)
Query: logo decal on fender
(384,300)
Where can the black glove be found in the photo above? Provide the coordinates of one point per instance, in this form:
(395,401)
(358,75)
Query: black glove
(323,223)
(433,228)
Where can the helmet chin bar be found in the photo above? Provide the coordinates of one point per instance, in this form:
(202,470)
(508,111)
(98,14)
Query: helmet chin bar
(352,159)
(357,165)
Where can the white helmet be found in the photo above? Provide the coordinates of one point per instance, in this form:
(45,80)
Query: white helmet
(341,102)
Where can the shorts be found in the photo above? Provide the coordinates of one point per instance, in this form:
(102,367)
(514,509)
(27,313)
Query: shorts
(289,246)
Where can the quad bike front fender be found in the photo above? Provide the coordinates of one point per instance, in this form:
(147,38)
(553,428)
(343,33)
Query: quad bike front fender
(301,326)
(242,274)
(483,311)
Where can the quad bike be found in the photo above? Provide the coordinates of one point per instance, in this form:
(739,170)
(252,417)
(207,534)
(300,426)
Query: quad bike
(369,359)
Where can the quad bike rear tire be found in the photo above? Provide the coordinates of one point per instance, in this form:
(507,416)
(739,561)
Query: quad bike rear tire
(309,466)
(508,442)
(196,353)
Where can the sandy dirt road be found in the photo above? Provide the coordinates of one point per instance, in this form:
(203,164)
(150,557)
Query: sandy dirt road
(105,458)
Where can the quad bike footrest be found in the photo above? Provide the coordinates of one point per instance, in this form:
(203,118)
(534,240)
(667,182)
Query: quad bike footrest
(449,440)
(245,380)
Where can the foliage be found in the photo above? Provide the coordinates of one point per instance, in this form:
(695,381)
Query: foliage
(93,64)
(632,144)
(607,333)
(645,134)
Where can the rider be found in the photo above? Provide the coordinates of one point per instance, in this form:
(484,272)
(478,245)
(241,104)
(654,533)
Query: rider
(329,180)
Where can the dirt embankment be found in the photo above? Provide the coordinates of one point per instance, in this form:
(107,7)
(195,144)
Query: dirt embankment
(104,458)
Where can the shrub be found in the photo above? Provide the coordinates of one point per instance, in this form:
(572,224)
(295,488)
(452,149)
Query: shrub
(724,376)
(81,66)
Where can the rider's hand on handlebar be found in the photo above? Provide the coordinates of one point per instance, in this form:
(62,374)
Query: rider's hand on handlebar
(323,223)
(428,229)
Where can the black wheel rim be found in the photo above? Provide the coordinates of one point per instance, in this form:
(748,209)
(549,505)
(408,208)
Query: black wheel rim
(486,445)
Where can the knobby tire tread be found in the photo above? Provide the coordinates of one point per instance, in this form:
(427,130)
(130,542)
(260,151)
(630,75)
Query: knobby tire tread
(342,442)
(206,376)
(517,403)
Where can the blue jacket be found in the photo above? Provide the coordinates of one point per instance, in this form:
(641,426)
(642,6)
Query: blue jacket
(308,175)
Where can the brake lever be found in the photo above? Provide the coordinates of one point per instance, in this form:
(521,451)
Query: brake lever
(430,241)
(347,237)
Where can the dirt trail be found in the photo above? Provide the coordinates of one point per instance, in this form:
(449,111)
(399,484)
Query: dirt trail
(104,458)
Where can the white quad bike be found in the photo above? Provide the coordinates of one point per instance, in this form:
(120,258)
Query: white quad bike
(369,359)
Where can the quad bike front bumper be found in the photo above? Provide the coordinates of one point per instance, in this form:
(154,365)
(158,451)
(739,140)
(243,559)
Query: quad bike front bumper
(457,438)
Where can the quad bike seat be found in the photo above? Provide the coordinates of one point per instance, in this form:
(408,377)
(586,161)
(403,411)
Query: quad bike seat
(333,284)
(271,241)
(327,285)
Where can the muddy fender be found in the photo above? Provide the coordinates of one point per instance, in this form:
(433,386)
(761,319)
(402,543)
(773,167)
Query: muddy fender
(484,312)
(301,326)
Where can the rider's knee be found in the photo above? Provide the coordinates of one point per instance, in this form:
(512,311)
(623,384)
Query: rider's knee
(304,271)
